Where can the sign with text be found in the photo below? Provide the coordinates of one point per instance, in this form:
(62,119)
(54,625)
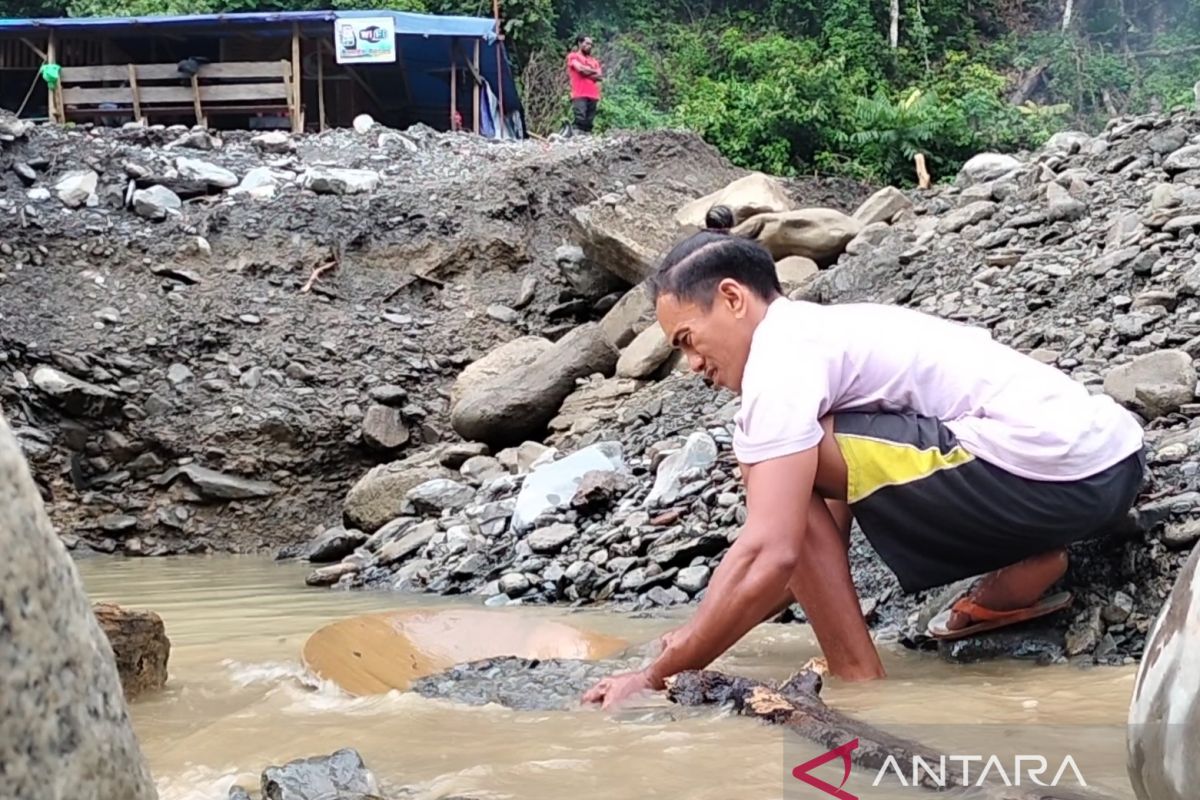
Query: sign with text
(365,40)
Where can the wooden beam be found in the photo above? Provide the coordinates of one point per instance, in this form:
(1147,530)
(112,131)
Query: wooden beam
(196,101)
(220,93)
(298,81)
(320,88)
(453,88)
(51,101)
(476,70)
(170,72)
(40,53)
(137,98)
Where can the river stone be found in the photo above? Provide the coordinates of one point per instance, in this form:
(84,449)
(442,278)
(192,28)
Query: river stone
(1160,382)
(219,486)
(1182,160)
(64,722)
(586,279)
(194,169)
(631,315)
(76,398)
(479,470)
(341,776)
(693,579)
(511,355)
(441,494)
(752,194)
(378,497)
(518,405)
(331,180)
(986,167)
(383,428)
(140,646)
(74,188)
(969,214)
(335,544)
(552,485)
(817,233)
(156,203)
(645,354)
(883,206)
(551,539)
(696,457)
(795,271)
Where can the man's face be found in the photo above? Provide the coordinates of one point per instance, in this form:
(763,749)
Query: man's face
(585,46)
(716,340)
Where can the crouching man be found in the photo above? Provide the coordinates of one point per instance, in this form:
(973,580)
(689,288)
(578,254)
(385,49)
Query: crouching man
(957,455)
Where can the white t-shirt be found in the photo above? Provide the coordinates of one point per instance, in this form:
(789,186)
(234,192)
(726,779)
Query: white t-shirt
(808,360)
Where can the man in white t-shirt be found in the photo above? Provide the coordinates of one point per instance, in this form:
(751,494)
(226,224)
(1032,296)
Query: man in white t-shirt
(957,456)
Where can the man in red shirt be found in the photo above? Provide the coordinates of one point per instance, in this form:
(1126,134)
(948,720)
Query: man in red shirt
(585,74)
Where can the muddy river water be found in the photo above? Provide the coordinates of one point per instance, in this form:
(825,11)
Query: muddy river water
(237,701)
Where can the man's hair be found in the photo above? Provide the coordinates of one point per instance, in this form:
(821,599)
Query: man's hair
(579,39)
(719,218)
(695,266)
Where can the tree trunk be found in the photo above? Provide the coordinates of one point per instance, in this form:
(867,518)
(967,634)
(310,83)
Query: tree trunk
(894,32)
(797,706)
(1066,23)
(1028,86)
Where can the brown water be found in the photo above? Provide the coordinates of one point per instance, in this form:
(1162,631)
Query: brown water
(237,701)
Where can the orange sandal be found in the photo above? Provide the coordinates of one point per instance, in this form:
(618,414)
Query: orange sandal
(987,619)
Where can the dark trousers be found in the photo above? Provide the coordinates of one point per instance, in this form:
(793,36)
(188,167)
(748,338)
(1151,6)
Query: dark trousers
(584,110)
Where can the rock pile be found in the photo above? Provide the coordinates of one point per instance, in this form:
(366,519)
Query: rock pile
(1081,254)
(206,339)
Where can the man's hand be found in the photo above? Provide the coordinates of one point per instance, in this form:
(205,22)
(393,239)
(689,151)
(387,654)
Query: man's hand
(615,689)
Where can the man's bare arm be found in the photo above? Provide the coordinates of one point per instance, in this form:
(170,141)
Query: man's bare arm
(754,574)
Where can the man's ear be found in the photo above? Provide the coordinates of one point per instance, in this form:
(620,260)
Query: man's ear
(733,296)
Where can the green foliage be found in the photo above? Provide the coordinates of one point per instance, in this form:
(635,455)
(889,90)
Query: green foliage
(793,86)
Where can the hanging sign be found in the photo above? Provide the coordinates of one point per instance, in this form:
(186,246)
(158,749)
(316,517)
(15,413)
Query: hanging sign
(365,40)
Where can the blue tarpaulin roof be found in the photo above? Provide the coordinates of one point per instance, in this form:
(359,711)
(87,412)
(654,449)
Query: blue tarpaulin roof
(425,49)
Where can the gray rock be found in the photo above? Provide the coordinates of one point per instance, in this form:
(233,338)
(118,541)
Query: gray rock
(378,497)
(883,206)
(479,470)
(75,397)
(967,215)
(502,313)
(585,279)
(528,684)
(631,315)
(64,721)
(340,776)
(178,374)
(1119,608)
(1085,632)
(408,545)
(328,180)
(514,584)
(1158,382)
(260,183)
(645,354)
(238,793)
(74,188)
(696,457)
(156,203)
(1113,260)
(551,539)
(1061,206)
(552,485)
(1170,141)
(384,429)
(274,142)
(986,167)
(1182,534)
(335,544)
(1182,160)
(693,579)
(220,486)
(388,394)
(194,169)
(441,494)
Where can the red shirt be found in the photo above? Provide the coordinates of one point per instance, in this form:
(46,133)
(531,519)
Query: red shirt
(581,85)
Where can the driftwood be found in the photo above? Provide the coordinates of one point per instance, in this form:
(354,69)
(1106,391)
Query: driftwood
(797,705)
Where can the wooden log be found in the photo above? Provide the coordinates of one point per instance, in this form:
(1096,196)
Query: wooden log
(923,179)
(137,97)
(51,101)
(797,706)
(477,82)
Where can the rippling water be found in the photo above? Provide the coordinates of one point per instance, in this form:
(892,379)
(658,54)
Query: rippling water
(237,700)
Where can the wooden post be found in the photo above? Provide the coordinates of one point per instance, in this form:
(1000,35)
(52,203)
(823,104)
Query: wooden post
(477,89)
(51,100)
(923,179)
(137,96)
(499,69)
(196,101)
(453,84)
(321,86)
(297,88)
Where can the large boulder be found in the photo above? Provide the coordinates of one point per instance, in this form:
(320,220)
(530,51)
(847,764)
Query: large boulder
(379,496)
(883,206)
(631,315)
(503,360)
(755,193)
(614,243)
(1156,383)
(64,722)
(1164,713)
(517,405)
(140,645)
(645,354)
(817,233)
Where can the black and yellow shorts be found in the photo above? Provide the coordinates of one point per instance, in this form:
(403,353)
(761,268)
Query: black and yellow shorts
(936,513)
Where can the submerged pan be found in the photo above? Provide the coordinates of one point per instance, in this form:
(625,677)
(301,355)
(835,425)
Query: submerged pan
(375,653)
